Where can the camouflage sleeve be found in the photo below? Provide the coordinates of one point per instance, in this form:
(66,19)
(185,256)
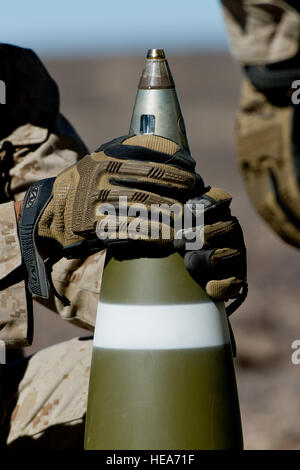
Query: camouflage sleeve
(80,282)
(36,154)
(15,315)
(263,31)
(36,142)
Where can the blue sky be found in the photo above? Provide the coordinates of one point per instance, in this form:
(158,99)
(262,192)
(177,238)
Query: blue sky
(72,27)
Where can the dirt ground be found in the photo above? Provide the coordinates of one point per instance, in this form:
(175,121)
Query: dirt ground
(97,95)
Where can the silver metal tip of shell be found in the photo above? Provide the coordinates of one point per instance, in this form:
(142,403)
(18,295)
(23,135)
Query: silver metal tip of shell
(156,54)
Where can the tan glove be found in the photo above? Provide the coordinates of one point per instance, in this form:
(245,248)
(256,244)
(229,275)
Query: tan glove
(61,215)
(131,168)
(220,265)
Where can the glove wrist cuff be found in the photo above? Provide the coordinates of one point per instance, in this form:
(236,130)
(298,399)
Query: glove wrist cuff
(36,199)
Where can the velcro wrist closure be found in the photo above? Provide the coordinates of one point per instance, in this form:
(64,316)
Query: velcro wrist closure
(36,199)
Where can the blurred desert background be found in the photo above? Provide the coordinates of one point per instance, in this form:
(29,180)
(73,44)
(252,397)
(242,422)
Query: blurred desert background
(97,96)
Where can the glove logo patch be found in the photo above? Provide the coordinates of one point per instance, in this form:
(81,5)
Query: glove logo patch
(32,273)
(33,196)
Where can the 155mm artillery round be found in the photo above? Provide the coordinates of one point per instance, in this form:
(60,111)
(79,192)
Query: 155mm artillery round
(162,374)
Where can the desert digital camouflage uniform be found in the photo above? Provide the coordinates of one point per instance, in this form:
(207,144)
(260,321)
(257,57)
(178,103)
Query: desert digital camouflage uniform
(47,392)
(263,31)
(265,38)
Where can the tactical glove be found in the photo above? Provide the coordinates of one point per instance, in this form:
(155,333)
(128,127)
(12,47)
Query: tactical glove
(59,216)
(269,148)
(219,266)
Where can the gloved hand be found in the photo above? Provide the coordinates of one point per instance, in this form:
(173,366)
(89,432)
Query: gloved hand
(219,266)
(269,147)
(59,215)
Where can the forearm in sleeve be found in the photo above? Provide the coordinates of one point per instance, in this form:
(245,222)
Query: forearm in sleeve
(15,302)
(263,31)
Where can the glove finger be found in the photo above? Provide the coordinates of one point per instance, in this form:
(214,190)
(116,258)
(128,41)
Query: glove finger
(134,237)
(223,234)
(130,203)
(205,265)
(159,178)
(227,261)
(216,195)
(150,159)
(149,148)
(110,228)
(215,278)
(133,197)
(143,171)
(170,189)
(224,289)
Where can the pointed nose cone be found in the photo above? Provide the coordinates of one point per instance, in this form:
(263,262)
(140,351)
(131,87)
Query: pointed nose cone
(157,109)
(156,74)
